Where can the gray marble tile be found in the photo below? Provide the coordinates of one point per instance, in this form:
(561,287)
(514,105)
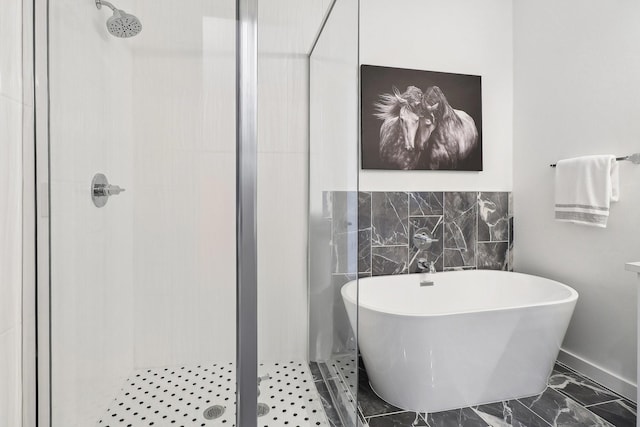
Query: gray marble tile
(327,404)
(511,413)
(434,253)
(389,218)
(364,210)
(493,256)
(493,216)
(315,371)
(511,230)
(364,251)
(510,256)
(362,371)
(389,260)
(465,417)
(369,402)
(341,335)
(344,249)
(344,233)
(558,367)
(340,211)
(460,228)
(630,404)
(618,413)
(326,370)
(327,206)
(510,204)
(426,203)
(559,410)
(579,388)
(458,268)
(347,370)
(402,419)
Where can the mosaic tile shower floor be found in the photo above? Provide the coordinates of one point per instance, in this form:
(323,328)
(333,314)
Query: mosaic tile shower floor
(570,400)
(179,396)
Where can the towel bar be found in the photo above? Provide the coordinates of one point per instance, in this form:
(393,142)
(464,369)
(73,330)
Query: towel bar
(633,158)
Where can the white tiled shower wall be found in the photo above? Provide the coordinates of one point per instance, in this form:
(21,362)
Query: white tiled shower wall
(184,220)
(91,130)
(184,213)
(12,108)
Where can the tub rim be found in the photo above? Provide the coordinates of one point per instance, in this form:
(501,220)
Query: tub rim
(573,296)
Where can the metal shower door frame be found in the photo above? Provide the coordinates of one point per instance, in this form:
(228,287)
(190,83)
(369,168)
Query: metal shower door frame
(37,355)
(246,211)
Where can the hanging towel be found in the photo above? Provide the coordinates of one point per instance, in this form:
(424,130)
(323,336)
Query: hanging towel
(585,188)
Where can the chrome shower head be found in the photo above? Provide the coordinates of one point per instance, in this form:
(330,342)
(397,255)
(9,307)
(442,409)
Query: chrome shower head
(121,24)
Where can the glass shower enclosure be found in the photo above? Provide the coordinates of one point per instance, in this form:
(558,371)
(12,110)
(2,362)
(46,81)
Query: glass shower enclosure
(184,192)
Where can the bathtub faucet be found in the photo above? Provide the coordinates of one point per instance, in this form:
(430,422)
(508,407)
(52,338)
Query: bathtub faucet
(426,266)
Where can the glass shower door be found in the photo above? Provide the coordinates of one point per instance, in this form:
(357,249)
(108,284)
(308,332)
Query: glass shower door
(292,390)
(142,291)
(336,224)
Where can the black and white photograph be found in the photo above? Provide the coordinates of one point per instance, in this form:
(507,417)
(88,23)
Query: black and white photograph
(420,120)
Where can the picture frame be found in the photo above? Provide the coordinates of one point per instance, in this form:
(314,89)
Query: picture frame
(420,120)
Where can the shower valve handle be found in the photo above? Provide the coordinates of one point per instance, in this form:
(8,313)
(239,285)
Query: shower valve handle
(107,190)
(112,190)
(101,190)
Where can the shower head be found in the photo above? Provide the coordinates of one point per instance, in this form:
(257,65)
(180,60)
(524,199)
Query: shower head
(121,24)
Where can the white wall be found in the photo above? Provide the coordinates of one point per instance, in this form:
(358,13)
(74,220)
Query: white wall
(459,36)
(11,112)
(576,93)
(91,248)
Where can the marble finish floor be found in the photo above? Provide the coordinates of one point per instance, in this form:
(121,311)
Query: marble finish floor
(570,400)
(179,396)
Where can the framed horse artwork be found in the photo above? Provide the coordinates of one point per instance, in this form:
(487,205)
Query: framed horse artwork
(420,120)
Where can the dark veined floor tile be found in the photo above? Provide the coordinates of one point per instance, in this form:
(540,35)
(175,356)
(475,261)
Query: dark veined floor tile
(402,419)
(559,410)
(511,413)
(580,388)
(315,371)
(369,402)
(618,413)
(465,417)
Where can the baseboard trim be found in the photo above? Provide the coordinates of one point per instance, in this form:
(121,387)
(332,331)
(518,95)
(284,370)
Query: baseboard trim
(608,379)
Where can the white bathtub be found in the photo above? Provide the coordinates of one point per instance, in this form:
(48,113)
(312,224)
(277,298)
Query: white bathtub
(474,337)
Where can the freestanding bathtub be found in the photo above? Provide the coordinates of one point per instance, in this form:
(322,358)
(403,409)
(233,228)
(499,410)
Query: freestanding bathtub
(474,337)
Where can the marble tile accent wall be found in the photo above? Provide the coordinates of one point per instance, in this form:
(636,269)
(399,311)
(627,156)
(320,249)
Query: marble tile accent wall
(474,231)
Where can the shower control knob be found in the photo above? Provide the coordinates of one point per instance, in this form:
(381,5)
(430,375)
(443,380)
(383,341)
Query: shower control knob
(113,190)
(101,190)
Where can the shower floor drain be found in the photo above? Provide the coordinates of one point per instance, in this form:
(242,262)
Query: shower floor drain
(263,409)
(213,412)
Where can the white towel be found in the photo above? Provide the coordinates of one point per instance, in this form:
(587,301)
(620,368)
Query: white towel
(585,187)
